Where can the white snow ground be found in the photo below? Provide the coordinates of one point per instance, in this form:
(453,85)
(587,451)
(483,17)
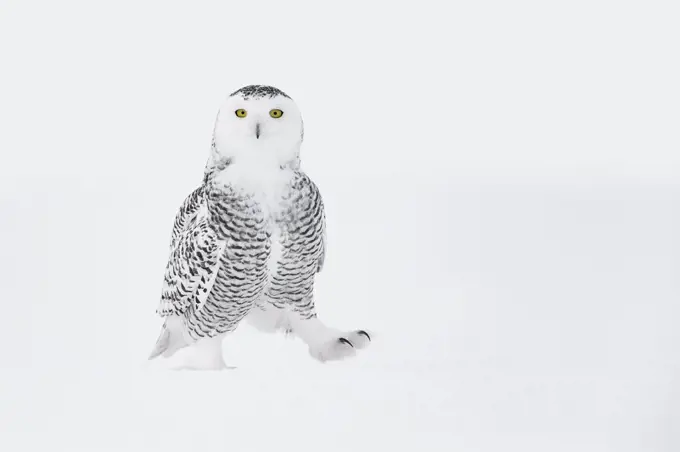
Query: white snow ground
(508,318)
(503,195)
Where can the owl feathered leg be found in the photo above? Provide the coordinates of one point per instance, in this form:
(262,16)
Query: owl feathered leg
(325,343)
(268,319)
(204,354)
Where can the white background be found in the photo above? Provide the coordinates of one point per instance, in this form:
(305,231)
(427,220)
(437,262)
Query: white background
(502,182)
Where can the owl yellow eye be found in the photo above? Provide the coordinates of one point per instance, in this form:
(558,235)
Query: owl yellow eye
(275,113)
(241,113)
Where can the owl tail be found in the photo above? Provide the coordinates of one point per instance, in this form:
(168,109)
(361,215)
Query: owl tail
(170,340)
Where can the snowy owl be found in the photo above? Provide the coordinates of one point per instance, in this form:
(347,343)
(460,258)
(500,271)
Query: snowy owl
(248,243)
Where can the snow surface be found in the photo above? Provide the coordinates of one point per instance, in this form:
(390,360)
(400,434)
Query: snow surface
(502,186)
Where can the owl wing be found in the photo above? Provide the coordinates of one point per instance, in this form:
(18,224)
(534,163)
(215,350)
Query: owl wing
(318,217)
(194,259)
(187,211)
(322,258)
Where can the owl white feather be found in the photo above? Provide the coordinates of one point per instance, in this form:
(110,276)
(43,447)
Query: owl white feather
(248,243)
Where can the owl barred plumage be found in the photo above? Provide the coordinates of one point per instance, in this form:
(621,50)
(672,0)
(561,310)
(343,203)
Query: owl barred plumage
(259,91)
(249,241)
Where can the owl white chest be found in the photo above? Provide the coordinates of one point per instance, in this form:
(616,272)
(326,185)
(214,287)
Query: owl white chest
(276,251)
(265,181)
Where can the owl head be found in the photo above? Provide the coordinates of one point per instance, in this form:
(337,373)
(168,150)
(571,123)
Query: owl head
(259,124)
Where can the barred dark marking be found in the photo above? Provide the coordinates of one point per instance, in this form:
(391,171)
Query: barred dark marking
(186,211)
(220,247)
(258,91)
(194,255)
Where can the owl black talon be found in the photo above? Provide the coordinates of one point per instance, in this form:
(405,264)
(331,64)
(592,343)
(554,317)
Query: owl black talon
(345,341)
(364,333)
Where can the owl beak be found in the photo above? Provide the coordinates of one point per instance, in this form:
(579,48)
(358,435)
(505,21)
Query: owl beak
(257,130)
